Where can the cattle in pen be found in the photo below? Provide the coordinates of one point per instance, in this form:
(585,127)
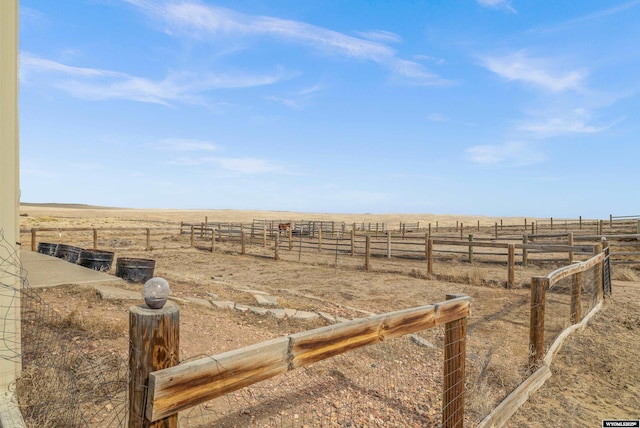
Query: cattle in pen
(284,227)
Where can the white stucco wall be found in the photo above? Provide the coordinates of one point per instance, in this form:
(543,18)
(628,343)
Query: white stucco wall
(9,188)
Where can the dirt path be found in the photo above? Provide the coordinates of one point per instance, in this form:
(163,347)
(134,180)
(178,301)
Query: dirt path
(593,374)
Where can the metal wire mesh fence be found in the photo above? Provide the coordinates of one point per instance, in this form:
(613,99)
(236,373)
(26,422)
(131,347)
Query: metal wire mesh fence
(373,382)
(393,383)
(569,299)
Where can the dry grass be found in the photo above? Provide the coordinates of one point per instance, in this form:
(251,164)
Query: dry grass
(624,273)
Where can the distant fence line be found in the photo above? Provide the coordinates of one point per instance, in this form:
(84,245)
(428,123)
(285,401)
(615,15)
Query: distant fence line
(99,235)
(630,224)
(422,246)
(329,237)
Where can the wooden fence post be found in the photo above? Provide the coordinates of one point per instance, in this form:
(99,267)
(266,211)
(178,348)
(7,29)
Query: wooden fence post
(430,256)
(388,244)
(496,230)
(213,240)
(290,236)
(300,244)
(242,244)
(148,239)
(276,255)
(512,265)
(576,291)
(525,252)
(33,239)
(570,243)
(426,246)
(454,371)
(551,223)
(470,249)
(153,345)
(264,236)
(353,241)
(536,321)
(319,239)
(461,230)
(192,235)
(367,253)
(95,238)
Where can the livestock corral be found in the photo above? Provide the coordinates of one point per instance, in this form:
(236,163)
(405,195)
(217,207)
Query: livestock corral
(272,290)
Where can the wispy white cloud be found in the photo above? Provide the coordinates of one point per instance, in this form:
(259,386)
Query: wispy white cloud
(497,4)
(538,72)
(98,84)
(412,72)
(437,117)
(380,36)
(243,165)
(617,9)
(298,99)
(201,21)
(428,58)
(577,121)
(510,154)
(311,89)
(183,145)
(33,64)
(32,18)
(246,165)
(285,101)
(559,126)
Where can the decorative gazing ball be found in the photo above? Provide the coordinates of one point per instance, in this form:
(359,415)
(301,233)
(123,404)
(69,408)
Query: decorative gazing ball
(156,292)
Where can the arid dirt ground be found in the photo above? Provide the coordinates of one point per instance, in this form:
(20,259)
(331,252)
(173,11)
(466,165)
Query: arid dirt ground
(594,375)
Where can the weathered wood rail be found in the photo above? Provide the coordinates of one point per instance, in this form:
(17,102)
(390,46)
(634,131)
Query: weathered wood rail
(178,388)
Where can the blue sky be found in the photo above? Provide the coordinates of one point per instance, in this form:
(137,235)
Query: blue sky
(487,107)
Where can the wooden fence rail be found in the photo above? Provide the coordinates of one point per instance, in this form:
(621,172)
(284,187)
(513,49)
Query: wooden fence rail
(181,387)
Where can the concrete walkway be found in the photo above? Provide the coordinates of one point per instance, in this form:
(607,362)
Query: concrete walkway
(48,271)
